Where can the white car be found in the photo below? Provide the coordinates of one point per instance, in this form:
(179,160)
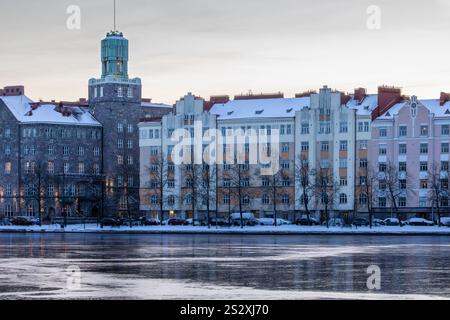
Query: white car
(283,222)
(266,221)
(445,221)
(391,222)
(420,222)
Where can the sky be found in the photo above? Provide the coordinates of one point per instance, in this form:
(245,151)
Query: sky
(212,47)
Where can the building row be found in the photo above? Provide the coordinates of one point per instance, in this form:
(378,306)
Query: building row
(118,154)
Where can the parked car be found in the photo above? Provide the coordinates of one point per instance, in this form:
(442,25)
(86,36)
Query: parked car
(392,222)
(219,222)
(176,222)
(377,222)
(150,222)
(283,222)
(420,222)
(266,221)
(335,222)
(360,222)
(111,222)
(305,222)
(445,222)
(198,223)
(21,221)
(247,217)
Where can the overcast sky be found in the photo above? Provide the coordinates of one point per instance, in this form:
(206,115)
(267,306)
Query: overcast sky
(213,47)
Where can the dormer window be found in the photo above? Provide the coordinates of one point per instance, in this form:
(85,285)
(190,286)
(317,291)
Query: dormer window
(259,112)
(230,113)
(289,110)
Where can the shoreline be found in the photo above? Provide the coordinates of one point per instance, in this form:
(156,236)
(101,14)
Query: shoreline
(250,231)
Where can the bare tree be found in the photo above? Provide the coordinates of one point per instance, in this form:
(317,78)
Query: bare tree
(159,175)
(439,188)
(192,174)
(238,176)
(366,190)
(394,188)
(207,189)
(326,190)
(305,179)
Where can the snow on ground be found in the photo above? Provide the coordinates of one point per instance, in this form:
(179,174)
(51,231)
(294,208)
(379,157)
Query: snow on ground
(282,230)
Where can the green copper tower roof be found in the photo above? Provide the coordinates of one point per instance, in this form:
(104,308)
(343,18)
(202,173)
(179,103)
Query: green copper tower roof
(115,56)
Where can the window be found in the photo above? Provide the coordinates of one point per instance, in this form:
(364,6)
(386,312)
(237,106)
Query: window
(96,151)
(305,128)
(286,182)
(444,166)
(246,200)
(81,168)
(366,126)
(343,128)
(343,146)
(120,181)
(363,163)
(445,147)
(402,167)
(402,149)
(363,145)
(285,147)
(265,199)
(382,167)
(402,184)
(120,92)
(66,151)
(324,146)
(130,144)
(130,160)
(8,210)
(423,202)
(285,164)
(226,199)
(8,190)
(360,127)
(120,127)
(154,199)
(382,150)
(8,168)
(51,167)
(7,133)
(402,131)
(363,199)
(424,131)
(171,184)
(265,182)
(120,160)
(66,168)
(445,130)
(343,163)
(289,129)
(282,130)
(101,92)
(130,181)
(424,148)
(382,132)
(96,169)
(130,128)
(423,184)
(382,202)
(343,181)
(305,146)
(130,92)
(343,198)
(402,202)
(50,190)
(51,150)
(423,166)
(285,200)
(81,151)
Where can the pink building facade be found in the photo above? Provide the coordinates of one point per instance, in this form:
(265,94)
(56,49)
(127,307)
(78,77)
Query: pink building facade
(409,158)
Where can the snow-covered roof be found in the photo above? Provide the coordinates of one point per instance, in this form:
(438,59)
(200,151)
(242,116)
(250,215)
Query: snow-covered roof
(366,107)
(156,105)
(260,108)
(433,105)
(20,107)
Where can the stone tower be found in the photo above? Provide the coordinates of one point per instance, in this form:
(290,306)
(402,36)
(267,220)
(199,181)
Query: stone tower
(115,101)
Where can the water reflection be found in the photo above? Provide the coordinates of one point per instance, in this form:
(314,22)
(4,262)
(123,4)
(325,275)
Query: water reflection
(177,266)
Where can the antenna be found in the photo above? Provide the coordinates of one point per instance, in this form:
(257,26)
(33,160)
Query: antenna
(115,29)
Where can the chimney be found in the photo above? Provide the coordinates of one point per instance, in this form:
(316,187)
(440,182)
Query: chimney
(13,91)
(305,94)
(444,98)
(387,97)
(360,95)
(345,98)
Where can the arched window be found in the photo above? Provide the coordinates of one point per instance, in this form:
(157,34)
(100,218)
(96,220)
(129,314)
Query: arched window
(363,199)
